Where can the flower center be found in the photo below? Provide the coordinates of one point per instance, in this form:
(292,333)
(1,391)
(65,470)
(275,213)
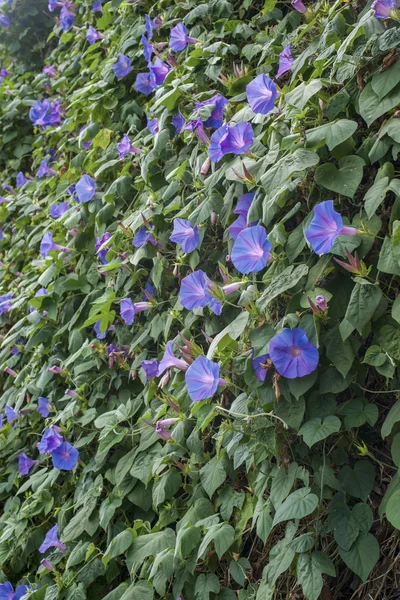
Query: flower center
(295,351)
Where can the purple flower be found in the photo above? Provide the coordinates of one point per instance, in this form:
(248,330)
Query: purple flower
(178,122)
(7,591)
(292,354)
(160,428)
(383,9)
(47,565)
(237,226)
(85,188)
(48,244)
(321,302)
(169,360)
(235,139)
(259,366)
(147,49)
(52,5)
(244,204)
(71,393)
(45,170)
(50,71)
(6,301)
(51,439)
(97,6)
(202,379)
(4,21)
(194,290)
(299,6)
(93,36)
(326,225)
(100,250)
(145,83)
(142,236)
(122,66)
(153,125)
(185,235)
(128,309)
(179,38)
(55,369)
(20,179)
(125,147)
(220,103)
(261,94)
(99,334)
(65,457)
(43,406)
(150,367)
(11,415)
(198,127)
(159,70)
(285,61)
(51,541)
(67,17)
(57,210)
(148,290)
(251,250)
(150,25)
(10,372)
(25,464)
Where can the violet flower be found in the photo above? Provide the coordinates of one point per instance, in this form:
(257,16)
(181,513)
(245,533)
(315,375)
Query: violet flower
(125,147)
(128,309)
(85,189)
(65,457)
(202,379)
(185,235)
(292,354)
(45,170)
(179,38)
(259,366)
(150,367)
(145,83)
(261,94)
(44,406)
(234,139)
(93,36)
(325,227)
(220,103)
(285,61)
(25,464)
(122,66)
(160,427)
(51,541)
(251,250)
(299,6)
(169,360)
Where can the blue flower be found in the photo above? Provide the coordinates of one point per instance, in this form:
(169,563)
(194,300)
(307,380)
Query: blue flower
(65,457)
(147,49)
(142,236)
(384,9)
(150,25)
(326,225)
(85,188)
(185,235)
(7,591)
(20,179)
(261,94)
(51,439)
(43,406)
(153,125)
(292,354)
(150,367)
(127,311)
(11,415)
(122,66)
(102,250)
(234,139)
(125,147)
(220,103)
(57,210)
(4,21)
(93,36)
(179,38)
(237,226)
(96,6)
(285,61)
(6,301)
(178,122)
(67,17)
(159,70)
(145,83)
(99,334)
(251,250)
(48,244)
(244,204)
(169,360)
(51,541)
(259,366)
(45,170)
(25,464)
(194,290)
(202,379)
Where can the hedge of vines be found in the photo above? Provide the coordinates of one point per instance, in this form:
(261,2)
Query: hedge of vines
(200,327)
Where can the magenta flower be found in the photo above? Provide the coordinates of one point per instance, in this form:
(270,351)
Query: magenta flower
(93,36)
(285,61)
(51,541)
(384,9)
(251,250)
(292,354)
(169,360)
(235,139)
(160,427)
(259,366)
(299,6)
(202,379)
(122,66)
(125,147)
(25,464)
(179,38)
(150,367)
(261,94)
(51,439)
(159,70)
(10,371)
(326,225)
(65,457)
(145,83)
(185,235)
(44,406)
(85,189)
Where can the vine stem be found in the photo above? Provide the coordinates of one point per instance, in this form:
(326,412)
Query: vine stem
(253,416)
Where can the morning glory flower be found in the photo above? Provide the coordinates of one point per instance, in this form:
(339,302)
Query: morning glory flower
(52,5)
(51,439)
(67,17)
(237,226)
(6,301)
(251,250)
(194,290)
(25,464)
(169,360)
(85,188)
(99,334)
(179,38)
(49,70)
(202,379)
(185,235)
(97,6)
(383,9)
(235,139)
(48,244)
(292,354)
(125,147)
(128,309)
(160,427)
(44,170)
(159,70)
(153,125)
(11,414)
(321,302)
(7,591)
(122,66)
(142,236)
(179,122)
(10,372)
(261,94)
(145,83)
(4,21)
(148,290)
(51,541)
(93,36)
(198,127)
(244,204)
(57,210)
(55,369)
(220,103)
(150,367)
(150,25)
(147,49)
(102,252)
(285,61)
(326,225)
(38,112)
(65,457)
(299,6)
(259,366)
(44,405)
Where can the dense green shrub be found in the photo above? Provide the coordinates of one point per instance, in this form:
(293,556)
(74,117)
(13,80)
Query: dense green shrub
(275,488)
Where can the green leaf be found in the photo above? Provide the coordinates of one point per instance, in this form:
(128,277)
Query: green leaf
(371,108)
(118,546)
(296,506)
(376,195)
(299,160)
(362,556)
(343,180)
(396,309)
(233,331)
(315,430)
(395,449)
(286,280)
(205,585)
(392,418)
(212,475)
(150,544)
(138,591)
(309,573)
(392,510)
(384,81)
(303,543)
(363,302)
(358,482)
(303,92)
(102,139)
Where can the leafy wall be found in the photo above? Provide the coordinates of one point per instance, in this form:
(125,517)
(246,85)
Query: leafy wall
(224,477)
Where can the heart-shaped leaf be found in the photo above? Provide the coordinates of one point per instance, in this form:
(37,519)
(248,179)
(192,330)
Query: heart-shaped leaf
(343,180)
